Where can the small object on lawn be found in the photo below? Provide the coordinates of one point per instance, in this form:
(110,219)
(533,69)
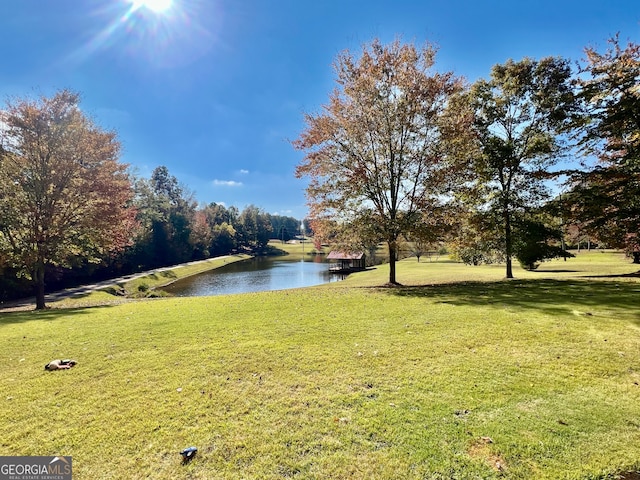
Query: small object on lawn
(60,364)
(188,454)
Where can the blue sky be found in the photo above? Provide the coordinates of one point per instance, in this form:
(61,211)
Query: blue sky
(216,89)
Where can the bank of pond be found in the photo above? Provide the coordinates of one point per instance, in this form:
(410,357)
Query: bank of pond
(255,275)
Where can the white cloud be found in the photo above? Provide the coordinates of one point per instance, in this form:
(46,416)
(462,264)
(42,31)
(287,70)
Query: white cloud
(244,172)
(226,183)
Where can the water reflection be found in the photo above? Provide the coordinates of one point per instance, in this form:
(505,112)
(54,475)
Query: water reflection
(255,275)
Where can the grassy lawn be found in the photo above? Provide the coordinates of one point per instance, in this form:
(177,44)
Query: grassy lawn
(457,375)
(596,265)
(297,250)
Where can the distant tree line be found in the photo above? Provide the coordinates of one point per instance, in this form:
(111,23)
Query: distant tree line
(173,229)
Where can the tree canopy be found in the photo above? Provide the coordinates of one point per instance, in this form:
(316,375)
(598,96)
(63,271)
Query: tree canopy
(64,196)
(606,198)
(519,115)
(376,155)
(166,213)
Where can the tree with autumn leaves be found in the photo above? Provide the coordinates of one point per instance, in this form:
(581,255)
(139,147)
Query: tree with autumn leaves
(605,199)
(378,155)
(64,195)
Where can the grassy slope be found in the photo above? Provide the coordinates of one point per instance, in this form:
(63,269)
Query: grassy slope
(483,379)
(140,286)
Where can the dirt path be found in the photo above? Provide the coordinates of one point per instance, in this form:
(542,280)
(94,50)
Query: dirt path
(29,302)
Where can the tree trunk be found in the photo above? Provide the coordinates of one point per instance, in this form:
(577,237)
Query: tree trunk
(508,241)
(392,262)
(636,257)
(509,273)
(38,279)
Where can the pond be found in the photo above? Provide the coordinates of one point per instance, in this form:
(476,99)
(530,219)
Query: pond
(255,275)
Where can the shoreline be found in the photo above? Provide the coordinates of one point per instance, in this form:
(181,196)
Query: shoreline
(28,303)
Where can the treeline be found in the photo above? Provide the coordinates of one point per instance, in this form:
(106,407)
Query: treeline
(169,228)
(173,229)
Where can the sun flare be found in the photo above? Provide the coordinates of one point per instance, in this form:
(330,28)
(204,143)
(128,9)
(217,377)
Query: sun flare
(158,6)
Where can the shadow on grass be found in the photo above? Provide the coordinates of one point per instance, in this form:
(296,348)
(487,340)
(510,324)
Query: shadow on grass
(163,274)
(551,296)
(8,318)
(621,275)
(630,476)
(555,271)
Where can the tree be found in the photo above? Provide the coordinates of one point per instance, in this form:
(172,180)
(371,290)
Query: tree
(223,234)
(606,199)
(253,228)
(419,247)
(576,236)
(201,235)
(224,239)
(520,114)
(475,241)
(428,232)
(283,228)
(535,242)
(376,155)
(166,212)
(64,196)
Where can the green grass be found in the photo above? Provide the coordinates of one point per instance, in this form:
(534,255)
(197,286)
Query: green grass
(148,285)
(474,379)
(297,250)
(597,265)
